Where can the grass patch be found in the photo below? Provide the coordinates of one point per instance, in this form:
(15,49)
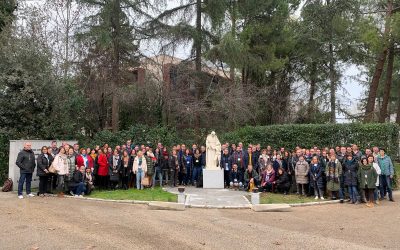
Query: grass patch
(271,198)
(156,194)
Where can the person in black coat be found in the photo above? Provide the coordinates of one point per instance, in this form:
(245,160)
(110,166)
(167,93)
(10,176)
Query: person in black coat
(78,185)
(125,169)
(282,182)
(226,165)
(350,177)
(236,177)
(26,163)
(43,163)
(316,180)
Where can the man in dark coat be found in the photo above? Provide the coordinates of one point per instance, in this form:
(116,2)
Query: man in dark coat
(226,165)
(26,163)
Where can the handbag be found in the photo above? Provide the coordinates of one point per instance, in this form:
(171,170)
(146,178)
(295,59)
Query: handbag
(52,169)
(145,181)
(114,177)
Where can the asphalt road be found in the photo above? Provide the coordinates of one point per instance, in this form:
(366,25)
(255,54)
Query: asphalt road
(61,223)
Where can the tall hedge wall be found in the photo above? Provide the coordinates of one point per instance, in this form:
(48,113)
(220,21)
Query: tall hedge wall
(321,135)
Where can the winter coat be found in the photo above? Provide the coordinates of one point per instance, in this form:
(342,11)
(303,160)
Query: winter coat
(254,160)
(135,166)
(226,162)
(237,158)
(26,161)
(350,172)
(150,165)
(282,181)
(254,175)
(43,163)
(102,163)
(77,177)
(71,166)
(125,171)
(61,165)
(236,175)
(267,177)
(197,161)
(111,168)
(333,173)
(173,163)
(367,176)
(301,170)
(81,162)
(386,165)
(316,176)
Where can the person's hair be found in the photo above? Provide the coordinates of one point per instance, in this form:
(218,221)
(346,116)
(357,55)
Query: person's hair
(82,150)
(364,159)
(197,151)
(349,155)
(61,148)
(44,147)
(125,151)
(281,168)
(383,149)
(371,156)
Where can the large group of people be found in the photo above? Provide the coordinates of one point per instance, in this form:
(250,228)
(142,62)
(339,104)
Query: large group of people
(338,173)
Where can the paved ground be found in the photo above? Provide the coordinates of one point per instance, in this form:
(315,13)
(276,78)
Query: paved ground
(61,223)
(213,197)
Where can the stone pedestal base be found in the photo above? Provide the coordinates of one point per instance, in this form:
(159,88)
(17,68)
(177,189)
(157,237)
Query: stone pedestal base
(213,178)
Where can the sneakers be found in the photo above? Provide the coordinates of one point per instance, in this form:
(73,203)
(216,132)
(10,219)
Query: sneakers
(80,196)
(31,195)
(322,198)
(71,193)
(20,197)
(316,198)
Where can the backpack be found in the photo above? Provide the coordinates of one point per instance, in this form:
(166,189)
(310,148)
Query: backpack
(8,184)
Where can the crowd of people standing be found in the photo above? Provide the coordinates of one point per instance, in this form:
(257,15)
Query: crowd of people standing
(338,173)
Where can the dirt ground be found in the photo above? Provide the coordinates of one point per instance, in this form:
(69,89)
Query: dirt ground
(63,223)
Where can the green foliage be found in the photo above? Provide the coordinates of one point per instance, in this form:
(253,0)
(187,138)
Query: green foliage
(156,194)
(321,135)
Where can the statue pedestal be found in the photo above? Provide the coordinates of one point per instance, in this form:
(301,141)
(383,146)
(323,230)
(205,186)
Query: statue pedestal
(213,178)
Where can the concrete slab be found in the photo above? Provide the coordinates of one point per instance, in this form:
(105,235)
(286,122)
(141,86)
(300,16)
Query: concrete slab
(272,208)
(214,198)
(166,206)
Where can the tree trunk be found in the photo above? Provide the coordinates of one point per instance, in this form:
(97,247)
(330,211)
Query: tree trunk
(369,111)
(67,29)
(398,106)
(313,87)
(115,19)
(233,32)
(388,86)
(198,40)
(332,78)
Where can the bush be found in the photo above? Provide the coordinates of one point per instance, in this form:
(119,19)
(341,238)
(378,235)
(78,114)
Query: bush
(321,135)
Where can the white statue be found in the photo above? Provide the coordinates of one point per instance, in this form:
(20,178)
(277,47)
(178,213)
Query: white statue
(213,153)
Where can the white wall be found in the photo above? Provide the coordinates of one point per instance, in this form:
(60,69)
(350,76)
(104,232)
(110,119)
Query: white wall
(15,147)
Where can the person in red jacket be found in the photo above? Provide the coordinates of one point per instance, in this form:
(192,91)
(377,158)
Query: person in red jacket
(102,171)
(84,160)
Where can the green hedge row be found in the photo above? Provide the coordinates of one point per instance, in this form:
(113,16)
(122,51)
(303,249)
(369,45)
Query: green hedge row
(321,135)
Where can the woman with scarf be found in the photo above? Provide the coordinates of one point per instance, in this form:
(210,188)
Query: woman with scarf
(367,177)
(263,160)
(301,172)
(114,163)
(371,160)
(333,172)
(61,166)
(316,178)
(84,160)
(268,179)
(125,169)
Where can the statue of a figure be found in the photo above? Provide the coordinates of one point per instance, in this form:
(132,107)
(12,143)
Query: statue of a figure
(213,151)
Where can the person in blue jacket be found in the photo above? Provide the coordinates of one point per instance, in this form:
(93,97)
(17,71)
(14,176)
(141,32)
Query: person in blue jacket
(387,173)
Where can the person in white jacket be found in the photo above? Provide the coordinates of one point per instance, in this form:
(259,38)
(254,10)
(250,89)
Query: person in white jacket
(61,165)
(140,169)
(371,159)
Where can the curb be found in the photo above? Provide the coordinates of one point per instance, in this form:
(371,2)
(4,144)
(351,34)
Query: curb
(219,207)
(316,203)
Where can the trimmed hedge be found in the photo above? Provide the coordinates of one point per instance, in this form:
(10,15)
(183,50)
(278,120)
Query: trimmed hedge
(322,135)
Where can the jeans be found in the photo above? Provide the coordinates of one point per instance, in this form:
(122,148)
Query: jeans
(139,177)
(196,174)
(165,172)
(43,184)
(80,189)
(318,192)
(160,176)
(187,176)
(353,193)
(376,193)
(386,186)
(24,178)
(60,186)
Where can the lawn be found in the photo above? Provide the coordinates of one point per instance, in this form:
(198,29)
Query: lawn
(156,194)
(271,198)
